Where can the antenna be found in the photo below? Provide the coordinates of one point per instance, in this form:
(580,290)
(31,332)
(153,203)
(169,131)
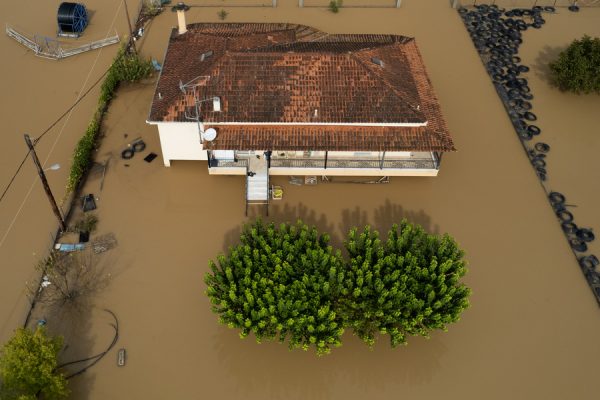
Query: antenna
(191,89)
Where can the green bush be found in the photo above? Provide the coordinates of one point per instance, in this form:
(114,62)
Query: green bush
(577,69)
(280,282)
(28,365)
(409,285)
(335,5)
(222,15)
(286,282)
(127,67)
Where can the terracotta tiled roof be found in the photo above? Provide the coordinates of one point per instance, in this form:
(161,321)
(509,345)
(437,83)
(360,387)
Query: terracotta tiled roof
(325,137)
(284,73)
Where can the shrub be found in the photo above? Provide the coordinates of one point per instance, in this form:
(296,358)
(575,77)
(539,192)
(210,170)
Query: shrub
(577,69)
(408,285)
(28,367)
(222,15)
(127,67)
(279,282)
(335,5)
(287,282)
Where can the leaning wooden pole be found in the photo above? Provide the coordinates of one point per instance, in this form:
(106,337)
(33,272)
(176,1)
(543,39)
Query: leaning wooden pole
(36,161)
(131,42)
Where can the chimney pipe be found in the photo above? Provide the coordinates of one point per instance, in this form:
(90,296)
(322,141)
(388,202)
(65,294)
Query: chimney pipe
(181,8)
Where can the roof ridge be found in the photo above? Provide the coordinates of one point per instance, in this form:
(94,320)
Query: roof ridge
(389,85)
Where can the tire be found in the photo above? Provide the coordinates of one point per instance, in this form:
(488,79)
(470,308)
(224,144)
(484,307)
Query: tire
(585,234)
(533,129)
(549,9)
(542,176)
(578,245)
(139,146)
(525,105)
(523,68)
(127,154)
(527,96)
(538,162)
(542,148)
(564,215)
(569,227)
(529,116)
(589,262)
(524,135)
(556,198)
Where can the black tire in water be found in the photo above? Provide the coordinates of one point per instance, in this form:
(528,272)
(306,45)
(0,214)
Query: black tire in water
(564,215)
(556,198)
(533,129)
(569,227)
(127,154)
(585,234)
(578,245)
(589,262)
(542,147)
(139,146)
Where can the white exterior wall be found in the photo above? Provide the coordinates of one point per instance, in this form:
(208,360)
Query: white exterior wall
(180,141)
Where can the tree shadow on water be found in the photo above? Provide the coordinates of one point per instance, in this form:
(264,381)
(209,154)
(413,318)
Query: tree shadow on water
(68,307)
(547,55)
(390,213)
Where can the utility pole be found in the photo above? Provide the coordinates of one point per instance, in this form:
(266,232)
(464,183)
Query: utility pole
(36,161)
(131,41)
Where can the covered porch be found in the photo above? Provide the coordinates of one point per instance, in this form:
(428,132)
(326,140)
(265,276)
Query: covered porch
(333,163)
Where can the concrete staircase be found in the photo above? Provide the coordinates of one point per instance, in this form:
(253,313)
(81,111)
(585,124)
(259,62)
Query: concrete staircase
(257,182)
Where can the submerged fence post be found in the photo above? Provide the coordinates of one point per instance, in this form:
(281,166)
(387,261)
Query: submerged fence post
(398,2)
(300,3)
(274,3)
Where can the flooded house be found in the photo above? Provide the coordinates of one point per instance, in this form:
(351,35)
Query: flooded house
(287,99)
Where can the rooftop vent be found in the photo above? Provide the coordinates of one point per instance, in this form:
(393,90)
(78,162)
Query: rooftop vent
(377,61)
(206,55)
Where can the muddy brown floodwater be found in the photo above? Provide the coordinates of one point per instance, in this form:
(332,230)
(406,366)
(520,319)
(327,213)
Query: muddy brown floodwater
(34,92)
(533,326)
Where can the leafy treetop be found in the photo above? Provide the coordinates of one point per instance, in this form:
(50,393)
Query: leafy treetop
(408,285)
(280,281)
(577,69)
(28,367)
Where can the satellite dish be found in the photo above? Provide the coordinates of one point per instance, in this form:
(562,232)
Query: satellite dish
(210,134)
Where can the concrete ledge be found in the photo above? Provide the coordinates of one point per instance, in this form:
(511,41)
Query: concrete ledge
(352,171)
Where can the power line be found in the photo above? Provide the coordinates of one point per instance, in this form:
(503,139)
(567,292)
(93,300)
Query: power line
(14,176)
(70,108)
(35,142)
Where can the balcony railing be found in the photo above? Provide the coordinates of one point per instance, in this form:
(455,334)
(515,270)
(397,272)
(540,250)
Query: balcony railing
(415,163)
(216,163)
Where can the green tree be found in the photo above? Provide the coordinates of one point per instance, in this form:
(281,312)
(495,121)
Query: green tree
(280,282)
(409,285)
(578,67)
(28,367)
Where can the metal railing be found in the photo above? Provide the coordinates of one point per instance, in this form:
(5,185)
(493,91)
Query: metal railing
(420,163)
(352,3)
(49,48)
(216,163)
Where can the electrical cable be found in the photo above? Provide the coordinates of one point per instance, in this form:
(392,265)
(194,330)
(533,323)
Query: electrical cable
(14,176)
(35,141)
